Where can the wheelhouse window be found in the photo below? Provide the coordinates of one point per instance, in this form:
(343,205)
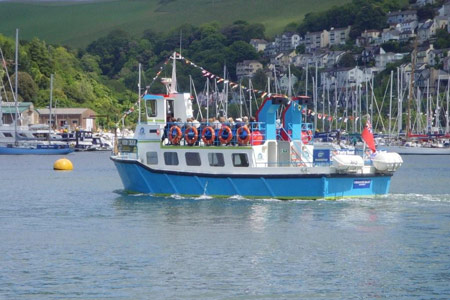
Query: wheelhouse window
(216,159)
(152,158)
(193,159)
(151,108)
(240,160)
(171,158)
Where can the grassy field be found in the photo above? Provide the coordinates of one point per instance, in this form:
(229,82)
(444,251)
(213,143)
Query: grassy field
(77,23)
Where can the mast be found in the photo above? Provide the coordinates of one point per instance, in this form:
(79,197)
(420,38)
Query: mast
(306,83)
(446,113)
(390,103)
(16,86)
(411,86)
(207,100)
(50,108)
(139,94)
(428,107)
(173,85)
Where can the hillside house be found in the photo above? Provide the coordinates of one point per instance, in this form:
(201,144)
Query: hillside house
(258,44)
(426,30)
(397,17)
(338,36)
(368,37)
(247,68)
(390,34)
(316,40)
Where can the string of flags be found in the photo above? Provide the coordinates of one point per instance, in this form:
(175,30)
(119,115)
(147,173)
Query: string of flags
(206,73)
(233,85)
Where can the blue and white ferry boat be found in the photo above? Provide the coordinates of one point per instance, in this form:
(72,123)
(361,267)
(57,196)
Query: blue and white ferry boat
(261,159)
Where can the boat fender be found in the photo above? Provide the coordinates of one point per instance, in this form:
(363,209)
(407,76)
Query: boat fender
(225,135)
(208,135)
(191,135)
(243,135)
(175,135)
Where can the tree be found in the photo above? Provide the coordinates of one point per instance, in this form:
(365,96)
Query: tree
(347,61)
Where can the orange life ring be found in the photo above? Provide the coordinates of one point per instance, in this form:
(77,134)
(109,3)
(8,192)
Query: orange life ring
(306,136)
(243,140)
(229,134)
(209,141)
(175,138)
(193,139)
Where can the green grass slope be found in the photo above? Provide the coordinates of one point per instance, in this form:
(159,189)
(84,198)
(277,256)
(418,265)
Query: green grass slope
(78,23)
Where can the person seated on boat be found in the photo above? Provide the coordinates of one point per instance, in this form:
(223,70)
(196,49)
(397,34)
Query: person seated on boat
(238,123)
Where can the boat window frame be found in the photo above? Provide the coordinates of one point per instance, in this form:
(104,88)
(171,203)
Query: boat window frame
(151,159)
(151,106)
(8,134)
(220,161)
(244,163)
(189,161)
(167,159)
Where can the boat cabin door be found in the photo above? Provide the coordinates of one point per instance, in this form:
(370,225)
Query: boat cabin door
(169,110)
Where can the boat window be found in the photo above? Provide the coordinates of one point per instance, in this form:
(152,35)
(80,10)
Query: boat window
(193,159)
(151,108)
(152,158)
(171,158)
(240,159)
(216,159)
(22,135)
(7,134)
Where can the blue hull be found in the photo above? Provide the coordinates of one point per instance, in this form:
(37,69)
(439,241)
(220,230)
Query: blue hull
(34,151)
(139,178)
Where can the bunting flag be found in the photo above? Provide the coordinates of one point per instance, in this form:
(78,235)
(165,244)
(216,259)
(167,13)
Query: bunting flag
(367,136)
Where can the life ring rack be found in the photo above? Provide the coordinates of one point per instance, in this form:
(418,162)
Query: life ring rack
(190,138)
(229,135)
(175,135)
(239,132)
(212,135)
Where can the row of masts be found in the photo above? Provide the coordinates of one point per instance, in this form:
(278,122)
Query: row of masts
(343,104)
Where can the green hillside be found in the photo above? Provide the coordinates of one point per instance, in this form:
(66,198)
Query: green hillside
(77,24)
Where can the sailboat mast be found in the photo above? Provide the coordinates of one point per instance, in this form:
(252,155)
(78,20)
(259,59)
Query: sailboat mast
(16,85)
(50,108)
(390,104)
(446,113)
(411,87)
(139,93)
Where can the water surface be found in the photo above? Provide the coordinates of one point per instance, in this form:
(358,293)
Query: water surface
(76,235)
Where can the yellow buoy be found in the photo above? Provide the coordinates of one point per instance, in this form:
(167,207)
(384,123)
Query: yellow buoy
(63,164)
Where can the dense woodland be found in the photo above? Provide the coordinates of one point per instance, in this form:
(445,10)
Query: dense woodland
(104,75)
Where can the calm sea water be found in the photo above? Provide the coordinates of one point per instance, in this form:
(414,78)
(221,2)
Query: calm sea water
(75,235)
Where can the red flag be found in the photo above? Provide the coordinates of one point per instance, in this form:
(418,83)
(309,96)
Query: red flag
(367,136)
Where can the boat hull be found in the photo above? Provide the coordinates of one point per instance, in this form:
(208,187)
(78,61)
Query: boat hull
(139,178)
(403,150)
(34,151)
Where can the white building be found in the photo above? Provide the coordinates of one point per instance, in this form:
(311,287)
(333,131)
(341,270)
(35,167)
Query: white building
(247,68)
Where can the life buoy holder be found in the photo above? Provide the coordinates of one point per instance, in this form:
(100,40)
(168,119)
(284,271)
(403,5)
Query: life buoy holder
(175,135)
(243,135)
(225,131)
(191,135)
(208,139)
